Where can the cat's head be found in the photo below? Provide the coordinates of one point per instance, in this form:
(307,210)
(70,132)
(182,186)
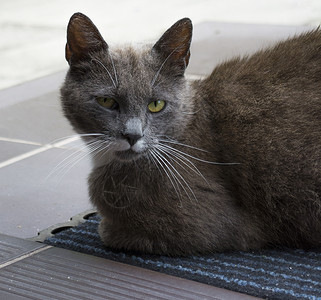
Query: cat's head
(128,98)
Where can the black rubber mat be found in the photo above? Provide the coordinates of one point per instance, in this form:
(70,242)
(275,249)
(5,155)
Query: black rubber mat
(274,274)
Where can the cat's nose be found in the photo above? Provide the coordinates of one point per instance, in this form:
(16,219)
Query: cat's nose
(132,138)
(133,131)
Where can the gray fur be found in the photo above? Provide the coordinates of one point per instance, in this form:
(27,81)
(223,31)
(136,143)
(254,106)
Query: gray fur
(232,162)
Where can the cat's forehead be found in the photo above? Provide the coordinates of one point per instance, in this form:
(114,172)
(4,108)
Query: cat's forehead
(128,51)
(134,67)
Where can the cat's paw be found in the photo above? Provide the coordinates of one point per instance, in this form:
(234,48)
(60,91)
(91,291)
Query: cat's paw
(128,240)
(104,231)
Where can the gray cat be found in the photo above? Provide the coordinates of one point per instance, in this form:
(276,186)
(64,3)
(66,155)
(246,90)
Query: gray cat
(229,162)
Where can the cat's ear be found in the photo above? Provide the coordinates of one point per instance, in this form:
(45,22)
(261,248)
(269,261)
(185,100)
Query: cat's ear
(83,38)
(174,45)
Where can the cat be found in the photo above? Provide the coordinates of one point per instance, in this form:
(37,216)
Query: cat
(229,162)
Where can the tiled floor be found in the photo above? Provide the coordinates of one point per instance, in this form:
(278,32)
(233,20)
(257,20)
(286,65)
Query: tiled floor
(30,270)
(33,32)
(43,181)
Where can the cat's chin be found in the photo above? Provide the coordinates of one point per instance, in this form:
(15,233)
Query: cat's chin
(127,155)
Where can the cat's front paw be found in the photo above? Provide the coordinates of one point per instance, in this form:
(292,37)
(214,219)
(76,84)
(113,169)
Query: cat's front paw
(128,240)
(104,231)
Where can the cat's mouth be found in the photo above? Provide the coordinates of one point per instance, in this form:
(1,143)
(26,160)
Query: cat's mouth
(127,155)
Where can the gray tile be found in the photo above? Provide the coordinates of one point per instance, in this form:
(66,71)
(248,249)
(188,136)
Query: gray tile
(10,150)
(31,89)
(214,42)
(34,198)
(61,274)
(38,120)
(11,248)
(29,202)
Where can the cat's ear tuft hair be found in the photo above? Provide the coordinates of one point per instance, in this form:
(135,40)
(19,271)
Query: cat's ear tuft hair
(174,45)
(83,38)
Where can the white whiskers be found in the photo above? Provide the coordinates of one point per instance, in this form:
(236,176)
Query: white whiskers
(109,74)
(114,68)
(181,159)
(163,64)
(169,163)
(174,163)
(166,155)
(93,146)
(191,156)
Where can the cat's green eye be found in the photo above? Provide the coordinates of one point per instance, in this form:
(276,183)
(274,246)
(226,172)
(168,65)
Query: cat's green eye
(156,106)
(107,102)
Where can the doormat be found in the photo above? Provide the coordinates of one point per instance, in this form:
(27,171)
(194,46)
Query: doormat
(272,274)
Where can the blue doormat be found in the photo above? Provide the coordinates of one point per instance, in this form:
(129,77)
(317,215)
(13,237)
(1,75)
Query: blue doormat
(270,274)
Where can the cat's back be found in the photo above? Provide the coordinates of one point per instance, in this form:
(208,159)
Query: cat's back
(265,113)
(275,89)
(291,64)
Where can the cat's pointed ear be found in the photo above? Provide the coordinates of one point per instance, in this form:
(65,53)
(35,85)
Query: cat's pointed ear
(174,45)
(83,38)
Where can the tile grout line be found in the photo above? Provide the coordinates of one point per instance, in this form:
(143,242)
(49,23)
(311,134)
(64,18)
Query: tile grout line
(36,151)
(50,146)
(22,257)
(24,155)
(18,141)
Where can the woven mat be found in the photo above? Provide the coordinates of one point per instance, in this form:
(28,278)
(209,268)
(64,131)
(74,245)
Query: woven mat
(272,274)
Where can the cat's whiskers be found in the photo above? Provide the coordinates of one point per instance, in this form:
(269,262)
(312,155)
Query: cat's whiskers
(196,158)
(171,141)
(95,145)
(62,162)
(68,162)
(181,159)
(180,156)
(77,136)
(68,140)
(100,153)
(105,68)
(164,167)
(163,64)
(94,148)
(152,160)
(177,177)
(114,68)
(77,158)
(178,173)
